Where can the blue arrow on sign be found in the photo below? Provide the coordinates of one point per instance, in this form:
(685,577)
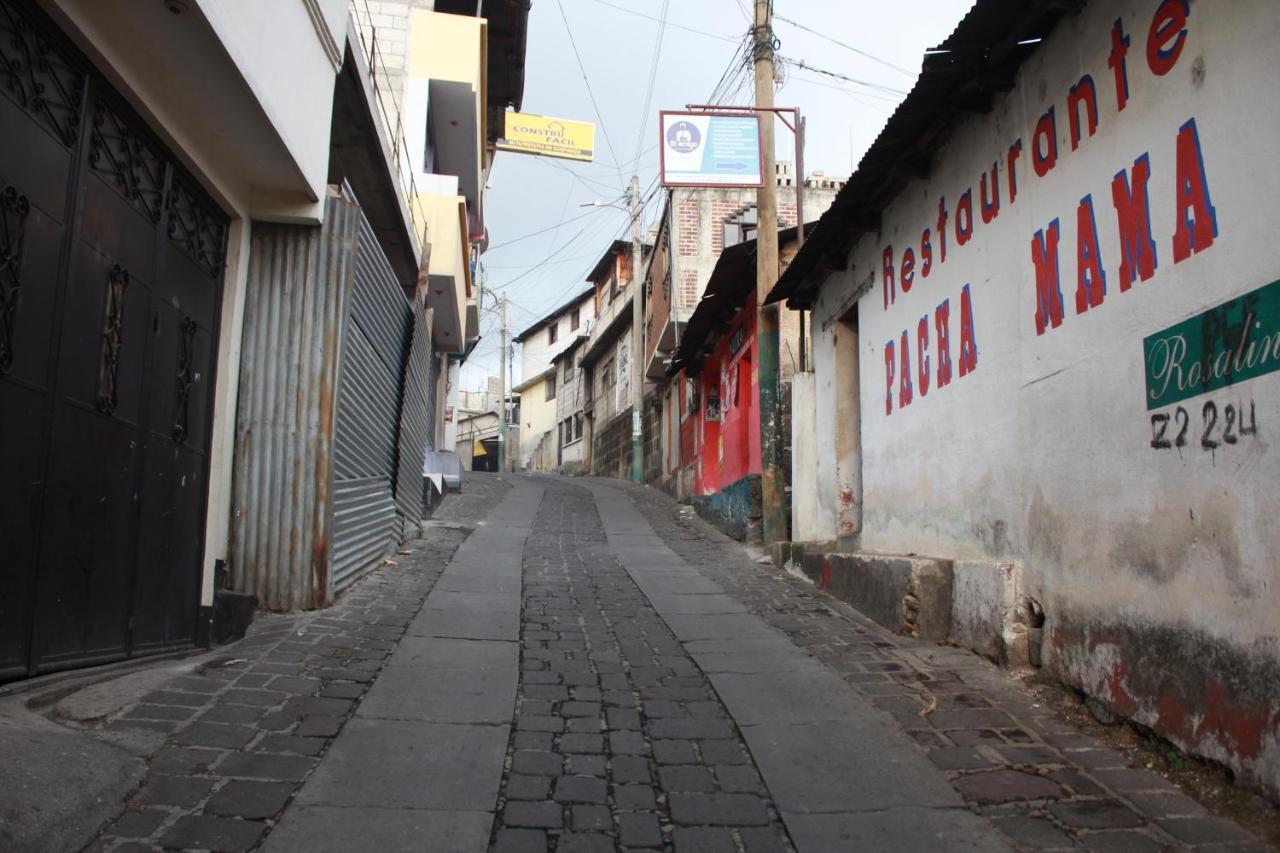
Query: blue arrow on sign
(737,167)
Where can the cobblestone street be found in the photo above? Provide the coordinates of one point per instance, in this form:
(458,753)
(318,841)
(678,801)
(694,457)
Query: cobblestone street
(576,665)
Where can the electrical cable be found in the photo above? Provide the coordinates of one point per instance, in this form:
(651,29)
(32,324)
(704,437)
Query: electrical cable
(886,63)
(596,107)
(669,23)
(506,243)
(800,63)
(653,76)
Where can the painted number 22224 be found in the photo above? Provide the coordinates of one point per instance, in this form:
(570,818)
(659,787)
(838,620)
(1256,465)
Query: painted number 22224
(1216,428)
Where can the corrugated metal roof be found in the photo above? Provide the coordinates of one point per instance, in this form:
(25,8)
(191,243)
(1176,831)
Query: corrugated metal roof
(960,77)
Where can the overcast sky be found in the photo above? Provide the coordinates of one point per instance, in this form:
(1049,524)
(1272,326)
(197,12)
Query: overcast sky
(616,39)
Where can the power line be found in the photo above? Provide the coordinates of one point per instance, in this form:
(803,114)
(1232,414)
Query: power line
(653,76)
(506,243)
(596,107)
(669,24)
(886,63)
(800,63)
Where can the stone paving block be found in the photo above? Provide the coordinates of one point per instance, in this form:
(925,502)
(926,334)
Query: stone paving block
(240,715)
(592,819)
(635,797)
(639,829)
(581,743)
(584,842)
(685,778)
(674,752)
(1132,780)
(319,726)
(537,763)
(201,832)
(737,779)
(1095,814)
(1004,786)
(182,760)
(521,787)
(291,744)
(138,823)
(957,758)
(718,810)
(250,800)
(520,841)
(288,768)
(1122,841)
(215,735)
(1034,832)
(162,789)
(703,840)
(1204,830)
(722,752)
(527,814)
(160,712)
(580,789)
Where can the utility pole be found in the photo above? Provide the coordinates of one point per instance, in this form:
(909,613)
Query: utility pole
(637,336)
(773,490)
(502,387)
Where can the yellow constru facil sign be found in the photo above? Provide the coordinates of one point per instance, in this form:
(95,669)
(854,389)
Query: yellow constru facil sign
(550,137)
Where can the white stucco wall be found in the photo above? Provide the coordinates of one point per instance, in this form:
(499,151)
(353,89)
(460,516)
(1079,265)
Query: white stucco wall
(1043,453)
(536,351)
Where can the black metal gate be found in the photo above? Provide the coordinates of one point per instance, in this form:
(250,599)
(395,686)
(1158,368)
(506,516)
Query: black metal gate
(110,270)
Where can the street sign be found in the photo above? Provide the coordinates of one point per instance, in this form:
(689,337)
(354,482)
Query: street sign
(711,150)
(551,137)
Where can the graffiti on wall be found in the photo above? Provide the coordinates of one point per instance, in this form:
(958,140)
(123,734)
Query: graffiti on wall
(920,359)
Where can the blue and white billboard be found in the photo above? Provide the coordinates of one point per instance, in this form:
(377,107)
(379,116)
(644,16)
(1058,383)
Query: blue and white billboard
(711,150)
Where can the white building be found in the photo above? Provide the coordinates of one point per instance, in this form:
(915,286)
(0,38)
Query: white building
(1046,326)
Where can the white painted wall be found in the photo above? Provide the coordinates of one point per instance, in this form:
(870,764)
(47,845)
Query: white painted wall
(291,76)
(1043,453)
(537,351)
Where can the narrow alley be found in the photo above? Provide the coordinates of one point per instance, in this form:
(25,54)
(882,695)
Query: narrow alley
(593,670)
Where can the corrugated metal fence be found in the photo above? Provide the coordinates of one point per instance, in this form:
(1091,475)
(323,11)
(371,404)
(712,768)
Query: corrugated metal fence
(415,426)
(334,412)
(294,305)
(365,444)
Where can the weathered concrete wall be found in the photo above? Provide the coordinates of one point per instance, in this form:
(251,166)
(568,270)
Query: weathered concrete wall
(1040,406)
(611,447)
(806,516)
(908,595)
(734,509)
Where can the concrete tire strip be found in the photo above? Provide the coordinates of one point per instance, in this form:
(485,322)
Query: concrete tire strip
(842,774)
(419,765)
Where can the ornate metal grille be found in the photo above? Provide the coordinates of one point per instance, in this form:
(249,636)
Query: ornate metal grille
(14,208)
(112,339)
(38,76)
(120,155)
(196,227)
(187,378)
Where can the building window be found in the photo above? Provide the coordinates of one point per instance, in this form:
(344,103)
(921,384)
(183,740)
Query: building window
(606,375)
(552,331)
(567,426)
(551,387)
(577,425)
(574,320)
(568,370)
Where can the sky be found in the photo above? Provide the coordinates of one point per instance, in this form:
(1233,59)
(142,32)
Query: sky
(550,220)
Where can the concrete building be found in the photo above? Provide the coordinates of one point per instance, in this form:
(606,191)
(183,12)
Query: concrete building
(712,396)
(606,360)
(240,334)
(569,434)
(1045,342)
(540,346)
(700,223)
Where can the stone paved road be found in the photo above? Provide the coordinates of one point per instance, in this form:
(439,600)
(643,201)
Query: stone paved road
(591,670)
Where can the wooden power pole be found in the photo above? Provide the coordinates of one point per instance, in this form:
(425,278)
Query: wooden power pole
(773,489)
